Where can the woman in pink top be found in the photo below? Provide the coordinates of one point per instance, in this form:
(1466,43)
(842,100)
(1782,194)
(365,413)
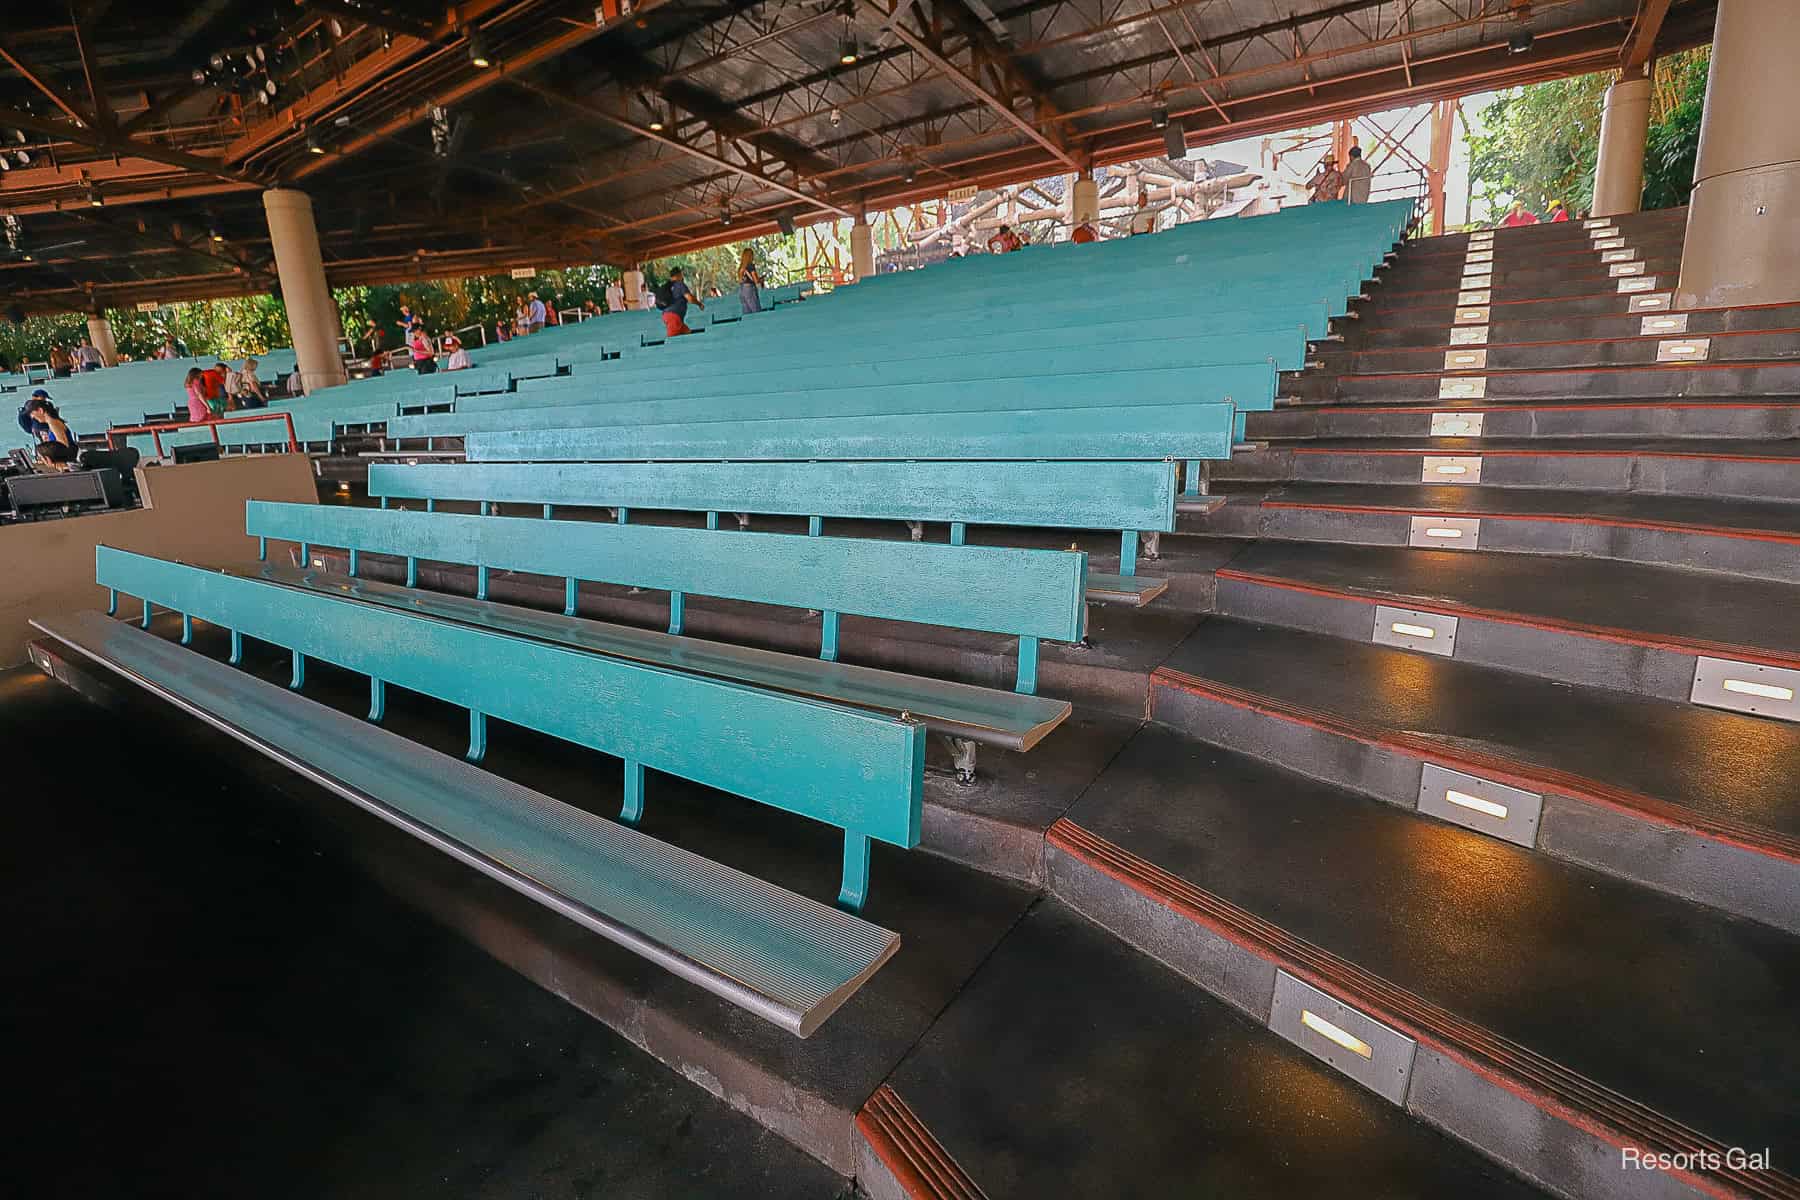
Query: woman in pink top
(198,408)
(424,358)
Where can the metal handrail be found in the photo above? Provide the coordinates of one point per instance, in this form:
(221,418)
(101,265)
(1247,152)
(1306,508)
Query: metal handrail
(157,430)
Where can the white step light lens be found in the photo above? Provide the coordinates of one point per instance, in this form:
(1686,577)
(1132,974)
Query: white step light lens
(1744,687)
(1440,531)
(1486,807)
(1332,1033)
(1409,630)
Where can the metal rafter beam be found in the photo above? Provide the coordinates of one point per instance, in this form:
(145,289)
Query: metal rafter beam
(594,112)
(921,44)
(38,79)
(113,143)
(1640,46)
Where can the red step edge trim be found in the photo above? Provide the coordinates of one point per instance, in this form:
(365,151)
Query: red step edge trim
(1603,633)
(1754,535)
(1479,451)
(1427,407)
(1521,775)
(915,1158)
(1541,1082)
(1593,341)
(1658,367)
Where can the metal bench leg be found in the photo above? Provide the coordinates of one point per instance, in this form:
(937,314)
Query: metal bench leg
(384,499)
(962,757)
(828,636)
(622,515)
(187,630)
(959,533)
(355,563)
(430,506)
(549,512)
(1028,666)
(569,596)
(299,677)
(855,888)
(477,736)
(1128,545)
(815,526)
(237,648)
(1190,484)
(112,602)
(377,699)
(305,555)
(633,809)
(412,572)
(262,543)
(481,583)
(677,611)
(148,610)
(487,509)
(712,520)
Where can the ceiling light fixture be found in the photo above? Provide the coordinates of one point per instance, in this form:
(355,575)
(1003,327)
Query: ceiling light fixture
(1159,117)
(94,198)
(314,145)
(1519,42)
(478,52)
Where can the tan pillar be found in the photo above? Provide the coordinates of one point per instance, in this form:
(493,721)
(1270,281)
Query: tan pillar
(1624,124)
(633,282)
(1086,200)
(311,312)
(100,333)
(1743,228)
(862,249)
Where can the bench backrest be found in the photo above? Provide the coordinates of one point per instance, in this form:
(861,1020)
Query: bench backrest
(854,769)
(1065,495)
(1130,431)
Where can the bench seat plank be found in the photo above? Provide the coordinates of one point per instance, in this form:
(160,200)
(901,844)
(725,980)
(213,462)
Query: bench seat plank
(782,956)
(1008,720)
(1133,590)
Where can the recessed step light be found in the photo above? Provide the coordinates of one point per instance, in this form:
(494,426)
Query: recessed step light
(1479,256)
(1747,688)
(1374,1055)
(1465,360)
(1471,316)
(1469,335)
(1619,256)
(1668,323)
(1621,269)
(1595,222)
(1445,468)
(1643,283)
(1603,231)
(1660,302)
(1473,298)
(1445,533)
(1467,388)
(1508,813)
(1683,350)
(1477,281)
(1408,629)
(1456,424)
(1608,244)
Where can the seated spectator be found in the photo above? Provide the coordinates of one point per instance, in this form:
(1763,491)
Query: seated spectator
(424,358)
(459,357)
(1085,233)
(589,308)
(503,330)
(61,364)
(672,300)
(228,385)
(1327,182)
(1518,215)
(36,416)
(1005,241)
(54,456)
(87,356)
(250,392)
(167,349)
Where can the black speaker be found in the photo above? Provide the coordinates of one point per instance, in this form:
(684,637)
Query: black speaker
(1175,141)
(786,222)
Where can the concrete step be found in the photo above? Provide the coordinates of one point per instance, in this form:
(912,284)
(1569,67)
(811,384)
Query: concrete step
(1755,540)
(1549,233)
(1492,353)
(1555,1011)
(286,1015)
(1694,419)
(1750,469)
(1074,1066)
(1699,322)
(1667,380)
(1564,252)
(1623,626)
(1407,275)
(1440,310)
(1695,802)
(1598,281)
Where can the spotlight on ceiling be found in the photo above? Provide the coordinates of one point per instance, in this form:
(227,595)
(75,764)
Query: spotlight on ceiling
(1519,42)
(22,157)
(847,53)
(478,51)
(94,199)
(1159,116)
(314,145)
(216,62)
(198,75)
(724,216)
(218,235)
(912,174)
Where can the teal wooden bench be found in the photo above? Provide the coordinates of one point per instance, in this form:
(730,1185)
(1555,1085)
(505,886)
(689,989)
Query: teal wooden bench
(860,771)
(1132,497)
(1033,595)
(784,957)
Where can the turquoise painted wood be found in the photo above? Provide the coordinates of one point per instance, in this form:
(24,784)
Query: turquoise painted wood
(857,770)
(1066,495)
(1247,386)
(1161,431)
(1027,593)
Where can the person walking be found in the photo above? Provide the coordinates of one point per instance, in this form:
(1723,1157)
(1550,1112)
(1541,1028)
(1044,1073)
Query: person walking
(61,364)
(1357,177)
(672,300)
(749,282)
(87,356)
(535,316)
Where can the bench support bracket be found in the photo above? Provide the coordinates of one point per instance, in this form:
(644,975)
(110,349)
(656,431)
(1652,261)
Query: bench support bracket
(237,648)
(855,888)
(633,810)
(1128,548)
(569,588)
(677,611)
(187,630)
(377,700)
(298,679)
(477,736)
(1028,666)
(828,636)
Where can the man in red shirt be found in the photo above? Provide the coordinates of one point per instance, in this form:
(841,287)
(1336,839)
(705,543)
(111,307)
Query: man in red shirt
(1518,215)
(1558,212)
(1084,233)
(1004,242)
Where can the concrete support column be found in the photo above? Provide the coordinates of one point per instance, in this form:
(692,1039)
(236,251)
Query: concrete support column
(633,282)
(100,333)
(312,314)
(862,248)
(1624,124)
(1086,200)
(1743,230)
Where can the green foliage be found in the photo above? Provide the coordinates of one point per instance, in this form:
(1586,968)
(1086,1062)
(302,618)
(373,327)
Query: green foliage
(1540,143)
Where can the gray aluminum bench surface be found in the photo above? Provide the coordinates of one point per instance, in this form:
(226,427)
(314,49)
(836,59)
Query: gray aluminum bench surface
(787,958)
(991,716)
